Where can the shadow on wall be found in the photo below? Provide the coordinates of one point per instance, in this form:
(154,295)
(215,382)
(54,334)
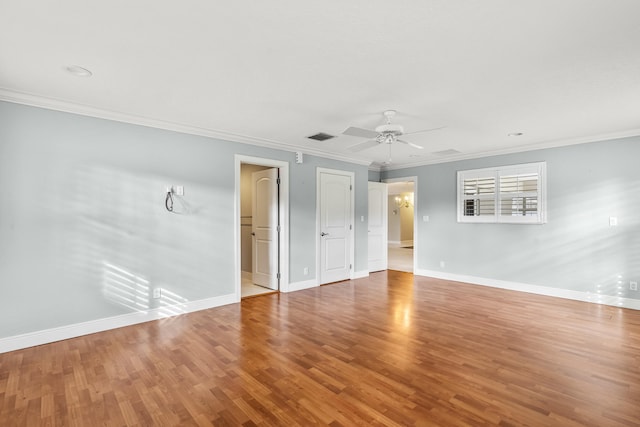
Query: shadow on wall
(125,244)
(593,256)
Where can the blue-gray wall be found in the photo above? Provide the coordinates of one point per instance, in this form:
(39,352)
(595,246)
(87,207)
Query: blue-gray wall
(576,249)
(82,210)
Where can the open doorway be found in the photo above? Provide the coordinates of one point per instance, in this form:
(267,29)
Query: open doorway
(258,229)
(401,224)
(262,227)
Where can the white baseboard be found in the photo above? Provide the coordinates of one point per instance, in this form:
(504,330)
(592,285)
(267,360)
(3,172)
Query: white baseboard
(307,284)
(535,289)
(46,336)
(360,274)
(298,286)
(406,243)
(393,242)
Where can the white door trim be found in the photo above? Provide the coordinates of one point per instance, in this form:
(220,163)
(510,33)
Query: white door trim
(351,176)
(284,219)
(416,241)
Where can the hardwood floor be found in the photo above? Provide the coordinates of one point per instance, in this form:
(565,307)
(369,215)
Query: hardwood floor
(387,350)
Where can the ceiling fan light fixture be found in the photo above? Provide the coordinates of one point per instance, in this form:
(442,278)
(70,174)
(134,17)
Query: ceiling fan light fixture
(387,133)
(390,128)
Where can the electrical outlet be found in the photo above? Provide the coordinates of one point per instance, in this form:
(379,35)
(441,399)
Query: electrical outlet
(633,286)
(179,190)
(441,264)
(157,292)
(305,271)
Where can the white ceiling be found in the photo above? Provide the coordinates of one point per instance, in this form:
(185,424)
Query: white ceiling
(273,73)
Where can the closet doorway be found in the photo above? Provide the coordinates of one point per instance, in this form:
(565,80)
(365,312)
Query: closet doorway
(261,206)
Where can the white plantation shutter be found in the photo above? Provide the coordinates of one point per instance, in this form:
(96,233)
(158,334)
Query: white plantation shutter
(512,194)
(479,196)
(519,195)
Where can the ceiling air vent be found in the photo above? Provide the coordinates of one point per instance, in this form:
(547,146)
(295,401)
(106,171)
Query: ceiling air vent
(321,136)
(449,152)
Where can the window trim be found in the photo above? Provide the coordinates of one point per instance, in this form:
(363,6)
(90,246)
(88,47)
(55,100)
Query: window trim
(540,168)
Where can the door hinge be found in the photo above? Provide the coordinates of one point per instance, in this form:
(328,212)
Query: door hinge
(278,181)
(350,227)
(350,187)
(278,229)
(350,266)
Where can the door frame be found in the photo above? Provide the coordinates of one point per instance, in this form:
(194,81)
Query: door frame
(283,239)
(416,241)
(352,245)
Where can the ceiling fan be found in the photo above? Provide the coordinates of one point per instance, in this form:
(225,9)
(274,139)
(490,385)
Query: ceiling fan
(386,133)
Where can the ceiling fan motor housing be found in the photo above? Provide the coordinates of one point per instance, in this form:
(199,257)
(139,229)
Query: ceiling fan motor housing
(397,130)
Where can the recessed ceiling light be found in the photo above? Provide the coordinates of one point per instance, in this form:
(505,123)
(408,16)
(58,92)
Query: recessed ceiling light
(515,134)
(78,71)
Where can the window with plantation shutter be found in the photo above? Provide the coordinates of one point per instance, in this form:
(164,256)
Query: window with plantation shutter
(479,196)
(510,194)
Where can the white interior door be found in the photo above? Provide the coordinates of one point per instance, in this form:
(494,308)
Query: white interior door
(378,213)
(336,220)
(264,231)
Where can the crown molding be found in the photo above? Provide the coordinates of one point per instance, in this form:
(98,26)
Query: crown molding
(16,97)
(520,149)
(24,98)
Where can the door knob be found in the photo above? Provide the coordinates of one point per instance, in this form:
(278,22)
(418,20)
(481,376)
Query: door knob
(253,234)
(324,234)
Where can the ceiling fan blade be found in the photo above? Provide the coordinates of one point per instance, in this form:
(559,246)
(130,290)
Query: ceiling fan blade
(425,130)
(362,146)
(410,143)
(359,132)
